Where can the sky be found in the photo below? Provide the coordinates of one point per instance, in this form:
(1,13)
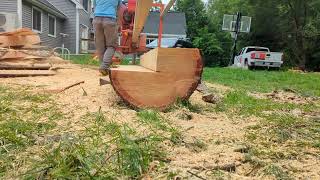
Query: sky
(166,1)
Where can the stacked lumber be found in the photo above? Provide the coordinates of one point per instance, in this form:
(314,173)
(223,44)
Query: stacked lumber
(164,76)
(21,54)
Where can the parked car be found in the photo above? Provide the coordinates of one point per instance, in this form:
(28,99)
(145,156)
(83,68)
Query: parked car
(171,43)
(250,57)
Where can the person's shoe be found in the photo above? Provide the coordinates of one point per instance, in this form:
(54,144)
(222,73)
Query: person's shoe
(104,72)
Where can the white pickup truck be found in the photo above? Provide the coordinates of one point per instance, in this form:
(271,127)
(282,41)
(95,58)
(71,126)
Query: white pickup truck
(250,57)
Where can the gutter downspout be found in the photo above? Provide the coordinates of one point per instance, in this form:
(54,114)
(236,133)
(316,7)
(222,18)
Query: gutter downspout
(77,29)
(19,12)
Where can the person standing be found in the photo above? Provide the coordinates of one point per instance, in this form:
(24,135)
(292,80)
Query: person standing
(106,32)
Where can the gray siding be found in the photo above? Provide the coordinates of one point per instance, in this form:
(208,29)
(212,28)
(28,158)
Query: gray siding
(84,18)
(69,27)
(9,6)
(46,40)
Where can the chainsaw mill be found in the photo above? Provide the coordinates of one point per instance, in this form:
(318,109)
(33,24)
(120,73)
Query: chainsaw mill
(164,74)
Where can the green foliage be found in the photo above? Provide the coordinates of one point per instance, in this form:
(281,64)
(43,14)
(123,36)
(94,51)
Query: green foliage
(290,26)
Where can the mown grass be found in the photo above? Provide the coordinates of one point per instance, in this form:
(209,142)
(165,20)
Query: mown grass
(264,81)
(279,134)
(23,118)
(105,150)
(87,59)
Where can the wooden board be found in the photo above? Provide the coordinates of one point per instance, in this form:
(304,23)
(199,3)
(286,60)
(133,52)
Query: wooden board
(19,38)
(23,66)
(164,76)
(12,54)
(25,73)
(141,14)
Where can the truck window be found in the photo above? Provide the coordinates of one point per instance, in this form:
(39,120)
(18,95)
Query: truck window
(257,49)
(241,51)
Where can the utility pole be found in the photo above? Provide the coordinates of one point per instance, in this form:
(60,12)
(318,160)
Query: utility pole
(236,31)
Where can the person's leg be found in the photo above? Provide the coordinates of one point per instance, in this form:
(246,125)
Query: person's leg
(99,37)
(107,58)
(111,41)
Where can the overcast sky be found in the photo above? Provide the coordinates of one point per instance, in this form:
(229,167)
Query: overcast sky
(166,1)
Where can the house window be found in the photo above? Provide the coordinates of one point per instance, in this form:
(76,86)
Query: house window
(52,26)
(85,4)
(36,19)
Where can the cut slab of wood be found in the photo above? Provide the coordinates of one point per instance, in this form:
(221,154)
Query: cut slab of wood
(142,11)
(24,66)
(19,38)
(25,73)
(164,76)
(20,32)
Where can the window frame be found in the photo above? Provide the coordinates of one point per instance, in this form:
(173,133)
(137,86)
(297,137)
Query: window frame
(88,5)
(41,19)
(55,26)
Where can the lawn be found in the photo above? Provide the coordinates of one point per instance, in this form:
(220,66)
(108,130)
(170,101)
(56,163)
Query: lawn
(87,59)
(265,81)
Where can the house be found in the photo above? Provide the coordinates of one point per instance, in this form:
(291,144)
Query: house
(51,19)
(174,26)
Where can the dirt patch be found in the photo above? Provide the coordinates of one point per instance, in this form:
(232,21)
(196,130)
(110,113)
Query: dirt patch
(285,97)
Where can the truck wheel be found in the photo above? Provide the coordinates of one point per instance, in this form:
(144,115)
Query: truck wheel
(246,65)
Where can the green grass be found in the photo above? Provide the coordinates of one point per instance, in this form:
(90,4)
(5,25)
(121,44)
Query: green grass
(264,81)
(277,126)
(156,122)
(87,59)
(23,117)
(106,150)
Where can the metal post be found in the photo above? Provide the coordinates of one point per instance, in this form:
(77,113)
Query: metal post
(160,26)
(237,30)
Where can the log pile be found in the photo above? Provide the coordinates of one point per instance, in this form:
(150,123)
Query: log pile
(21,54)
(164,76)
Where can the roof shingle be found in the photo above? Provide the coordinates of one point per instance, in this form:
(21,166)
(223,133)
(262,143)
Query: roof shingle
(174,23)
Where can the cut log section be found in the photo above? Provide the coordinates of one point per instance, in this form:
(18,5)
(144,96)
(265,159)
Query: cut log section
(164,76)
(25,73)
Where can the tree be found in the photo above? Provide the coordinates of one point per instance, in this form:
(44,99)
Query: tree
(195,15)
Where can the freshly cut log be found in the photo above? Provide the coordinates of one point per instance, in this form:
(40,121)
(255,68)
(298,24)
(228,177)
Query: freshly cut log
(164,76)
(25,73)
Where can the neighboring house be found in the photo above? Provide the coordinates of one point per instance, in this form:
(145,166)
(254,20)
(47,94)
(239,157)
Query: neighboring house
(50,18)
(174,26)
